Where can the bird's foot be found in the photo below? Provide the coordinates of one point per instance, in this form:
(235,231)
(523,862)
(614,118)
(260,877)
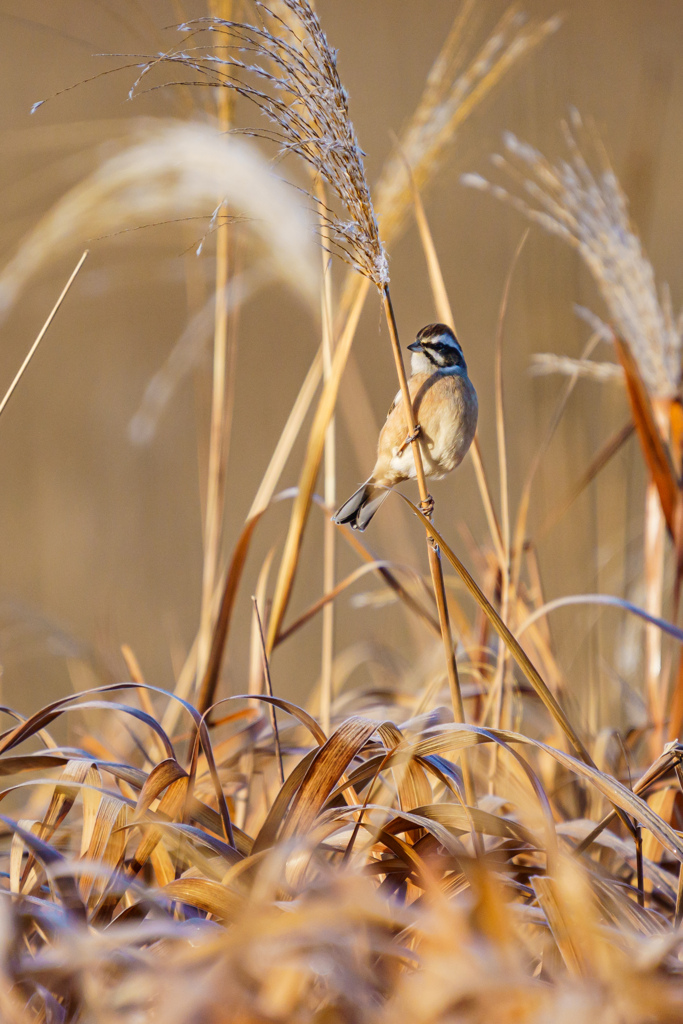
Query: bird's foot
(426,507)
(409,439)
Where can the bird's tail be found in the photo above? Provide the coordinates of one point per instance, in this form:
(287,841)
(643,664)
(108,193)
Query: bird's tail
(361,506)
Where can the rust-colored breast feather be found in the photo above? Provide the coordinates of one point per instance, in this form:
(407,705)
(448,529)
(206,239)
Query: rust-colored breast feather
(446,408)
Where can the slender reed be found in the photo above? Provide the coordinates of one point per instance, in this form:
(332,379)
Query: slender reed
(215,492)
(330,491)
(41,334)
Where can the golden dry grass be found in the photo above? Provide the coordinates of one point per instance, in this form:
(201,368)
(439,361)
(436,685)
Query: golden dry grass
(450,844)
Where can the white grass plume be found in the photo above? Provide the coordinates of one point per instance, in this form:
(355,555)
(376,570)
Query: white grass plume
(589,210)
(175,169)
(545,363)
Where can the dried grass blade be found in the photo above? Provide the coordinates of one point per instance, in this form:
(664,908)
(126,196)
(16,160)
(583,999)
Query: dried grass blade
(561,930)
(53,710)
(161,776)
(454,815)
(292,709)
(92,798)
(211,897)
(31,762)
(624,800)
(268,832)
(620,797)
(22,878)
(101,850)
(170,808)
(603,599)
(329,763)
(411,779)
(654,450)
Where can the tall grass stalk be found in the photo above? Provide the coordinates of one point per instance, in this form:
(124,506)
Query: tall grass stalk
(41,334)
(330,479)
(215,496)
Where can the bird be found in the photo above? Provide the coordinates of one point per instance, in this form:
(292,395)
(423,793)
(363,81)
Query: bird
(446,410)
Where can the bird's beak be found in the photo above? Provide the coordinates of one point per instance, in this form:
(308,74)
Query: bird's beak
(416,347)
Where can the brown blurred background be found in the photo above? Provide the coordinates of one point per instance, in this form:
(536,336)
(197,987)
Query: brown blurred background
(101,540)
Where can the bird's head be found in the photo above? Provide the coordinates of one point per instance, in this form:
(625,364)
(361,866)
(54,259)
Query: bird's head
(437,348)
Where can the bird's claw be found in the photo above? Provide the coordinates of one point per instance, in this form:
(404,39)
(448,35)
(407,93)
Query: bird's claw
(427,507)
(409,439)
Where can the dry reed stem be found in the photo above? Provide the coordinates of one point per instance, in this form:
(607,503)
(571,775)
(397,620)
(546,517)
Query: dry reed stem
(508,596)
(288,436)
(330,485)
(216,462)
(443,306)
(215,488)
(41,334)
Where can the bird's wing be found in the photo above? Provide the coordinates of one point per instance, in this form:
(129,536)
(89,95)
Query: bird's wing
(397,399)
(396,428)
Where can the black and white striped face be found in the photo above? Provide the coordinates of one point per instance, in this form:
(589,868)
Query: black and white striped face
(440,346)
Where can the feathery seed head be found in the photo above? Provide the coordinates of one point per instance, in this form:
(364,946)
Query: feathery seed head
(287,68)
(589,210)
(460,78)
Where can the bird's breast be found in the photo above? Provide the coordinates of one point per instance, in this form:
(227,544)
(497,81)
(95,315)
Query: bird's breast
(448,415)
(446,408)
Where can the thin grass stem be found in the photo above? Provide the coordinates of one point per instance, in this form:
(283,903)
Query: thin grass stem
(330,483)
(269,689)
(215,488)
(41,334)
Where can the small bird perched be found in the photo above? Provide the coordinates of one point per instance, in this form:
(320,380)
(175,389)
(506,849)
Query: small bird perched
(446,409)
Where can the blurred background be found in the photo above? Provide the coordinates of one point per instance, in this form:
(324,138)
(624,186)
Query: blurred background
(101,539)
